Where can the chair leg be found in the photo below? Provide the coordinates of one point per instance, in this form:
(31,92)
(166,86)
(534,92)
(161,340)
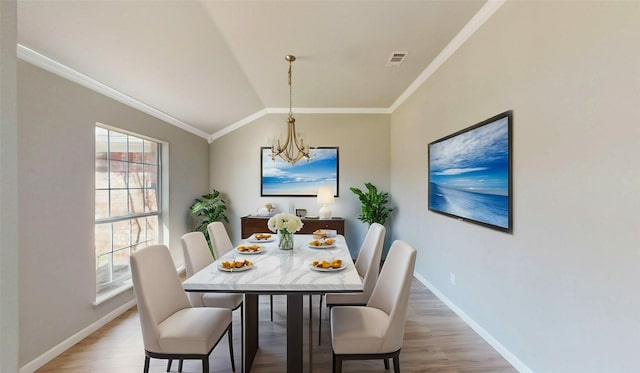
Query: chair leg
(205,364)
(180,365)
(320,321)
(233,362)
(333,363)
(310,332)
(242,332)
(337,364)
(396,363)
(146,364)
(386,364)
(169,365)
(271,306)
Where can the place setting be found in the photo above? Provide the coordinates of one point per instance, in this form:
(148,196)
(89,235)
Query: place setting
(261,238)
(333,265)
(322,243)
(250,249)
(322,239)
(235,265)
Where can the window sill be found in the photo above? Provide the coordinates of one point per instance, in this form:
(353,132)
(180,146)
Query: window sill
(113,293)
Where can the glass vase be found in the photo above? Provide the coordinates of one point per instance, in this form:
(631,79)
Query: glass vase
(286,239)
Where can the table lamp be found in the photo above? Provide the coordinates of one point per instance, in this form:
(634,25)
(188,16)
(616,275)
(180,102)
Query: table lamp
(325,195)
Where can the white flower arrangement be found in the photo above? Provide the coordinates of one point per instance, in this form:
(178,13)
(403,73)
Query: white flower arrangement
(285,221)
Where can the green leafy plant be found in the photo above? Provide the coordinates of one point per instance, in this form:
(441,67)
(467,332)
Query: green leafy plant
(206,209)
(374,204)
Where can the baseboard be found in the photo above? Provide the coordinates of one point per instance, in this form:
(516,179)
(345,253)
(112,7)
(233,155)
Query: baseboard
(511,358)
(69,342)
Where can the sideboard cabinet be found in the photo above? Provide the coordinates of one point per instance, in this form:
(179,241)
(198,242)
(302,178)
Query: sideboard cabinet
(258,224)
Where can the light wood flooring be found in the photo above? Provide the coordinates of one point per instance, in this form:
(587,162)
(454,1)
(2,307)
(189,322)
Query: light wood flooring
(436,340)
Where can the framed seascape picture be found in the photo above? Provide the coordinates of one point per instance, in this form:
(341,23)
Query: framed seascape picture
(470,173)
(278,178)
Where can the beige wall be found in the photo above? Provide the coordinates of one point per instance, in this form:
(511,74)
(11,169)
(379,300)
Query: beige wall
(364,156)
(8,190)
(560,293)
(56,182)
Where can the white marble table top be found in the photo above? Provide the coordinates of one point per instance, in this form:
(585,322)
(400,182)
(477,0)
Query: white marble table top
(281,271)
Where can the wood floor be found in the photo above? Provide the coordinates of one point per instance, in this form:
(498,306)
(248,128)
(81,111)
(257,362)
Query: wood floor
(436,340)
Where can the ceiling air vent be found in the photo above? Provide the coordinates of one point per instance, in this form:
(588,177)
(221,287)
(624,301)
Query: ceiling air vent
(396,59)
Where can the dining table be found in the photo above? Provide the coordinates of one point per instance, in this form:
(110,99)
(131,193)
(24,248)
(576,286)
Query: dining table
(276,271)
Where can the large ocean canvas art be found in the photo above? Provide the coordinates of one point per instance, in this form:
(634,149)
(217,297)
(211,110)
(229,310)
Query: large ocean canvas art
(278,178)
(470,173)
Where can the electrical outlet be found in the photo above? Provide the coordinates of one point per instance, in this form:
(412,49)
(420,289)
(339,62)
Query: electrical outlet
(452,278)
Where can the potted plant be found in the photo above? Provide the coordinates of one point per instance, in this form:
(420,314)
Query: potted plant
(206,209)
(374,204)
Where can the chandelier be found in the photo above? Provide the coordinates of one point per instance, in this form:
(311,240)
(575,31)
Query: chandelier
(293,149)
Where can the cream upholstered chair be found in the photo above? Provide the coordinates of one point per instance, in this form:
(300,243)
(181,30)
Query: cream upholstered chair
(221,244)
(375,331)
(196,257)
(220,241)
(367,265)
(171,328)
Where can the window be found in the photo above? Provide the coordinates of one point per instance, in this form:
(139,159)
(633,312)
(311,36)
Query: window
(127,204)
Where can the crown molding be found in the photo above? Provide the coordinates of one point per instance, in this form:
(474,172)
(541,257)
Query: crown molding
(48,64)
(339,110)
(277,110)
(487,10)
(236,125)
(55,67)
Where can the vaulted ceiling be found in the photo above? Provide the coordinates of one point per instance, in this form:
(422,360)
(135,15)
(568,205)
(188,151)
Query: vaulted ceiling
(210,65)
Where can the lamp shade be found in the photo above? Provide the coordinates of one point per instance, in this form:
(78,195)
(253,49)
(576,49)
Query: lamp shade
(325,195)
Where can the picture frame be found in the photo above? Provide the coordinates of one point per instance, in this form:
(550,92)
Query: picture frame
(470,174)
(280,179)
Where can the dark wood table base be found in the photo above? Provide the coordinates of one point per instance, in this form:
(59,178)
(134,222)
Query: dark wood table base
(250,330)
(294,331)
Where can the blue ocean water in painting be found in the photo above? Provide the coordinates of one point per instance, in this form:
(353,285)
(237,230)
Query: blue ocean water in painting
(469,174)
(487,208)
(303,178)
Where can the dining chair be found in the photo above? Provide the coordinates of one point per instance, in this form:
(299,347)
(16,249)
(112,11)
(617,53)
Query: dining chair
(375,331)
(220,241)
(368,266)
(221,244)
(196,257)
(171,327)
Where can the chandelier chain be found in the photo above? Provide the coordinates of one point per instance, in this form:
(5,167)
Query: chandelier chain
(290,92)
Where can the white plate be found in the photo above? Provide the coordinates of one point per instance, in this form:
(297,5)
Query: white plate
(322,247)
(253,239)
(327,269)
(250,252)
(241,269)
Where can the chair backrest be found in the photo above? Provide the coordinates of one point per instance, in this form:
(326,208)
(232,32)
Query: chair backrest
(391,293)
(368,261)
(220,241)
(196,252)
(159,293)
